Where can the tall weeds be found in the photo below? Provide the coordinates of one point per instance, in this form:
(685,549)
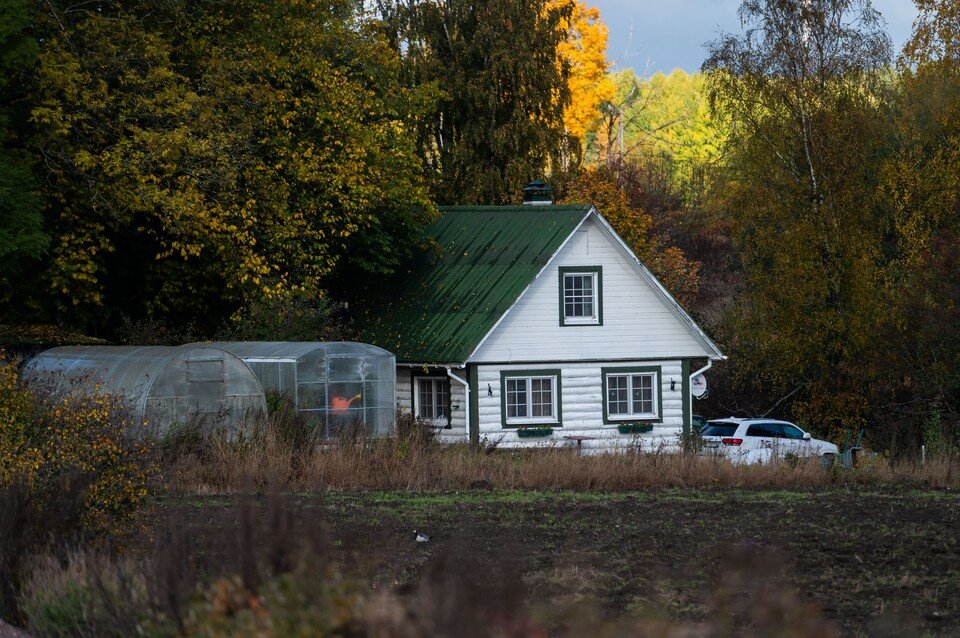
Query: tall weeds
(415,461)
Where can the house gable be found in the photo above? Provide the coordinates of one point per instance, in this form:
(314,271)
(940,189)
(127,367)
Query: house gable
(640,319)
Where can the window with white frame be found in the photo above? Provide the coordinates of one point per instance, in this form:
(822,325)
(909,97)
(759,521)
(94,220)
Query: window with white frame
(632,395)
(580,296)
(432,399)
(530,398)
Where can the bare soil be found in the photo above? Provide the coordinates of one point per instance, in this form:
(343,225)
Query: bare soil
(872,562)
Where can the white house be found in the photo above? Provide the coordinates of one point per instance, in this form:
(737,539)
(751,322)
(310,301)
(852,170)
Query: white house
(537,325)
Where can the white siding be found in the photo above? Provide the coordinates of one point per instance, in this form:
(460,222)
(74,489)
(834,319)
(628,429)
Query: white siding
(581,408)
(636,322)
(458,413)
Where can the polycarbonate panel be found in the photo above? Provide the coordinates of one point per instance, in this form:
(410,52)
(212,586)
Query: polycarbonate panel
(333,384)
(161,385)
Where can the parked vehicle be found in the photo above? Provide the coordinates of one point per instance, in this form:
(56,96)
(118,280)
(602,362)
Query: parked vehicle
(699,422)
(760,440)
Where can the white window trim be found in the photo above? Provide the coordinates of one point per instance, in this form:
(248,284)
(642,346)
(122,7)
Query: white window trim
(592,320)
(532,419)
(444,422)
(633,416)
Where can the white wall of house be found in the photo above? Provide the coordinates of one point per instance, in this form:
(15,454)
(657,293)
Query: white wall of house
(458,414)
(637,324)
(581,407)
(639,329)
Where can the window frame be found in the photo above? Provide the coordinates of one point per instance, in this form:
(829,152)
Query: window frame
(415,379)
(618,419)
(557,398)
(597,273)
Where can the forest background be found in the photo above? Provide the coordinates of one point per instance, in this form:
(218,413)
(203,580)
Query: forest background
(172,170)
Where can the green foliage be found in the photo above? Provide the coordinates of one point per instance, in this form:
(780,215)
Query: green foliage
(937,436)
(666,117)
(803,97)
(287,319)
(499,121)
(22,239)
(921,181)
(234,152)
(87,437)
(294,604)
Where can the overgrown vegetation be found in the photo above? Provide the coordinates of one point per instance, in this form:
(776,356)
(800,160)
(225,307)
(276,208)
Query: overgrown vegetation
(283,451)
(73,469)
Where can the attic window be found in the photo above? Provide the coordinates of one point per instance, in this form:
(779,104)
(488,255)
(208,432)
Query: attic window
(581,296)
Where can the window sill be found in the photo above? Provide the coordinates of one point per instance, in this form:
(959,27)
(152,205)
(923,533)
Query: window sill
(533,423)
(580,322)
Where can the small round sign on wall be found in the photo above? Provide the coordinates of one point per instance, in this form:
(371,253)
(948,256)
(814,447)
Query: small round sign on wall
(698,386)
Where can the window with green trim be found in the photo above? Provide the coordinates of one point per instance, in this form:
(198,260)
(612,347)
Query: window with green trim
(581,296)
(530,397)
(632,395)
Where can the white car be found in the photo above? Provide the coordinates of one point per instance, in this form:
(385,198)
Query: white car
(760,440)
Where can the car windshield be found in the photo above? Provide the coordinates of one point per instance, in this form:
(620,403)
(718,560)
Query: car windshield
(721,428)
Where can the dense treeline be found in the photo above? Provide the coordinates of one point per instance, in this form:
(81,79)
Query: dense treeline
(812,173)
(183,169)
(840,183)
(185,163)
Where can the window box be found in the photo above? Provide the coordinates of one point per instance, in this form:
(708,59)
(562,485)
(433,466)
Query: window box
(532,432)
(635,428)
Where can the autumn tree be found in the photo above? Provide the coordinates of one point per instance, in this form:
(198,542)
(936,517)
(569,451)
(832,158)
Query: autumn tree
(583,52)
(921,379)
(22,239)
(203,156)
(604,188)
(499,121)
(802,89)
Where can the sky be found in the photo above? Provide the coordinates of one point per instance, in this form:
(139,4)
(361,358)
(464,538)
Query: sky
(661,35)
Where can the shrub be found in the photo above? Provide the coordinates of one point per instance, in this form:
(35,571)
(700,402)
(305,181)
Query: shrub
(18,459)
(71,468)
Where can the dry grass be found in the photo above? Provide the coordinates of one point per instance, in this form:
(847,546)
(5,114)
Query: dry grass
(221,465)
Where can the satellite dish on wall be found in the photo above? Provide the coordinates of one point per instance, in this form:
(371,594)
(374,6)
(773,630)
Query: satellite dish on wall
(698,386)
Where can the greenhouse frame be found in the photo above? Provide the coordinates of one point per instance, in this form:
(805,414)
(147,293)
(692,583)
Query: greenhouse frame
(335,384)
(160,385)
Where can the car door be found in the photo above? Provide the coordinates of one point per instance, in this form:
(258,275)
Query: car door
(761,437)
(792,441)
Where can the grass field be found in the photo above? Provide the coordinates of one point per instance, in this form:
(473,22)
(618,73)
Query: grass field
(876,561)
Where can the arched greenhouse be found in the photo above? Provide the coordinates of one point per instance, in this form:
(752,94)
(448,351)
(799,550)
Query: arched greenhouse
(162,385)
(335,384)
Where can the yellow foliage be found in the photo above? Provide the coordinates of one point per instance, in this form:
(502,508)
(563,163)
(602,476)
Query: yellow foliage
(584,53)
(43,440)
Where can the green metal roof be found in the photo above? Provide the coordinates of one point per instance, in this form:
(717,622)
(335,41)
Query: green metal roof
(450,297)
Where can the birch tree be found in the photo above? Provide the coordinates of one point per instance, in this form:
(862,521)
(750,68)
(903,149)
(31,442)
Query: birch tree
(802,89)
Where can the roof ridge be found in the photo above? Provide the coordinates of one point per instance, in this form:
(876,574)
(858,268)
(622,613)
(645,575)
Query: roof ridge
(514,207)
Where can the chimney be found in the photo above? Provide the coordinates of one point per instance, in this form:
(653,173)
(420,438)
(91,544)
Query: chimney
(537,193)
